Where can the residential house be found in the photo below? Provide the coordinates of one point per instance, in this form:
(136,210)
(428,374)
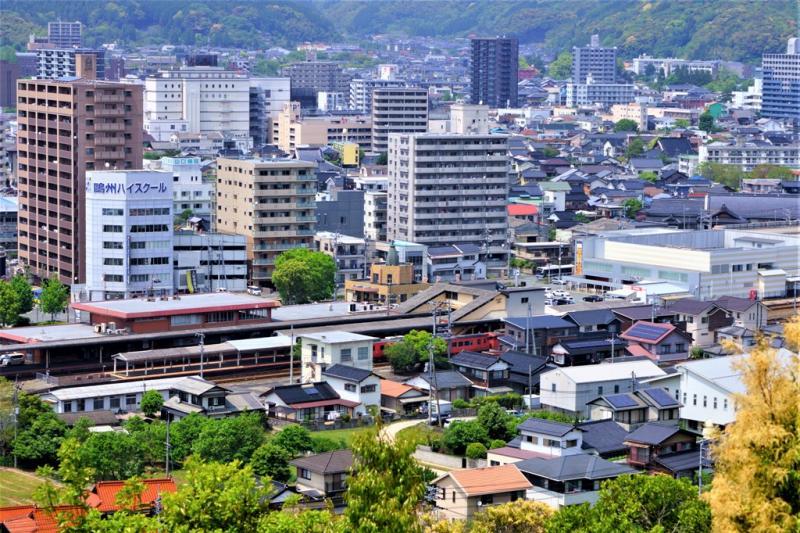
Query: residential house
(632,409)
(660,342)
(570,389)
(459,494)
(746,313)
(322,350)
(629,315)
(400,398)
(700,319)
(605,438)
(355,384)
(587,350)
(304,402)
(548,438)
(569,480)
(524,371)
(536,334)
(663,448)
(324,475)
(488,373)
(103,494)
(449,385)
(594,320)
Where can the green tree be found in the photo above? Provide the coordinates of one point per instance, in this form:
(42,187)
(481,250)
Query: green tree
(682,123)
(706,122)
(728,175)
(184,433)
(638,504)
(10,304)
(183,217)
(495,420)
(773,172)
(38,442)
(635,148)
(626,124)
(383,159)
(523,516)
(549,151)
(326,444)
(649,175)
(561,68)
(302,276)
(54,297)
(632,206)
(386,486)
(24,291)
(151,403)
(475,450)
(460,433)
(294,439)
(229,439)
(273,461)
(413,351)
(294,520)
(110,455)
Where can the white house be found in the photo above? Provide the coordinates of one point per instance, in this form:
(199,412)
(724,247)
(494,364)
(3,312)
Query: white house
(570,389)
(322,350)
(355,384)
(549,438)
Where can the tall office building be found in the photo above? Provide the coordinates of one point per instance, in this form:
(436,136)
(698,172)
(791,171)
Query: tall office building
(63,62)
(447,189)
(269,201)
(64,34)
(494,70)
(594,60)
(781,89)
(397,110)
(128,234)
(65,129)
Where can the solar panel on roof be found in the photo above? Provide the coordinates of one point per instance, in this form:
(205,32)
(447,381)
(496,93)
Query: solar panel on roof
(587,344)
(621,401)
(311,390)
(661,397)
(646,331)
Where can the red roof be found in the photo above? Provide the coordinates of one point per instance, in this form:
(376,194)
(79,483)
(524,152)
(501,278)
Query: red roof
(35,520)
(103,495)
(638,350)
(521,210)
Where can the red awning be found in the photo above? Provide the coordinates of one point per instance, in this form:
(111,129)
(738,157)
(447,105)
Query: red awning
(522,210)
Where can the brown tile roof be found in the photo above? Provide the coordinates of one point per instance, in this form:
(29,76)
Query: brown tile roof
(394,389)
(490,480)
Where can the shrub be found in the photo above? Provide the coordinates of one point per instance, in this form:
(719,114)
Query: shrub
(461,433)
(476,450)
(460,403)
(496,443)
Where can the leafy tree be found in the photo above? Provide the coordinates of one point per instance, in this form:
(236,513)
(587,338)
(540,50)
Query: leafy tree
(402,356)
(626,124)
(476,450)
(728,175)
(273,461)
(635,148)
(632,206)
(184,433)
(294,520)
(54,297)
(294,439)
(649,175)
(459,434)
(561,68)
(10,304)
(110,455)
(386,486)
(383,159)
(496,443)
(638,504)
(523,516)
(24,291)
(151,403)
(682,123)
(549,151)
(757,458)
(38,442)
(302,276)
(321,444)
(413,351)
(229,439)
(706,122)
(183,217)
(495,420)
(774,172)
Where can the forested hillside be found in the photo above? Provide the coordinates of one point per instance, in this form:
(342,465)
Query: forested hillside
(728,29)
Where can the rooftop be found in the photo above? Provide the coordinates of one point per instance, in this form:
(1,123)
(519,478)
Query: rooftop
(611,371)
(348,373)
(571,467)
(187,304)
(337,337)
(193,384)
(546,427)
(334,462)
(491,480)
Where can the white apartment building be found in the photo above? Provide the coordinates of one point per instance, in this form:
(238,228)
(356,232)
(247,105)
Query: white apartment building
(189,189)
(361,92)
(375,209)
(469,119)
(331,101)
(397,110)
(606,94)
(267,98)
(198,100)
(323,350)
(705,263)
(746,154)
(447,189)
(348,252)
(128,233)
(750,98)
(206,262)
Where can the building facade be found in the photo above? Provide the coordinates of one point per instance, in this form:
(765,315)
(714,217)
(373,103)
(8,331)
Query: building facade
(310,77)
(289,130)
(62,62)
(493,71)
(65,129)
(267,98)
(594,61)
(748,154)
(190,191)
(781,89)
(64,34)
(397,110)
(595,92)
(271,203)
(208,262)
(361,92)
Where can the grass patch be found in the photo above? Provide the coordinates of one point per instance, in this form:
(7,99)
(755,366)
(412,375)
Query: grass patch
(17,486)
(343,434)
(422,433)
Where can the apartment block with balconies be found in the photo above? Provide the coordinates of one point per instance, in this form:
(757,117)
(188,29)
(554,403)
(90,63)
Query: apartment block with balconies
(397,110)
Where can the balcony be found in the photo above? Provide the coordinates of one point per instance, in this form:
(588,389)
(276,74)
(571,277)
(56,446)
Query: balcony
(101,112)
(109,154)
(280,246)
(103,126)
(109,98)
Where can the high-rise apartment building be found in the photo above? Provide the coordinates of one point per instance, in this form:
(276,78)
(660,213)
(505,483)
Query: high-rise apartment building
(269,201)
(447,189)
(65,129)
(268,96)
(397,110)
(594,60)
(56,63)
(781,88)
(310,77)
(128,234)
(189,190)
(64,34)
(361,92)
(494,71)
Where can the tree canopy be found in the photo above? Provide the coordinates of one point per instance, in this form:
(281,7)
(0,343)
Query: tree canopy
(54,297)
(302,276)
(151,402)
(626,124)
(561,68)
(413,351)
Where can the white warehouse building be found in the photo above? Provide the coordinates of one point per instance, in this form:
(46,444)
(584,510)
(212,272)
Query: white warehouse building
(128,233)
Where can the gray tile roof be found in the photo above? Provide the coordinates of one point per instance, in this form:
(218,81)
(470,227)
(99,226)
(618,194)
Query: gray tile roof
(690,306)
(347,372)
(539,322)
(545,427)
(605,436)
(682,461)
(474,360)
(652,433)
(571,467)
(591,317)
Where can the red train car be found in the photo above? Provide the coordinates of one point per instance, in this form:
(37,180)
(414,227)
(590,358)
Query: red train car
(477,342)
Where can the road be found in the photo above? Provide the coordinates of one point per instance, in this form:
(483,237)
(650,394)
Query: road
(390,432)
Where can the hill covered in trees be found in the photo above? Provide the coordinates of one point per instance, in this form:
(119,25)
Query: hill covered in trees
(739,30)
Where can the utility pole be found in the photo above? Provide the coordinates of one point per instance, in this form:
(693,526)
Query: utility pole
(530,387)
(202,337)
(291,356)
(613,343)
(15,413)
(166,468)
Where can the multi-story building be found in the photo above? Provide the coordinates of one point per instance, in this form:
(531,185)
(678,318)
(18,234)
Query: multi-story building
(595,92)
(329,101)
(321,351)
(190,190)
(268,96)
(750,98)
(310,77)
(271,202)
(361,92)
(375,209)
(469,119)
(208,262)
(397,110)
(64,34)
(65,129)
(667,65)
(62,62)
(289,130)
(493,71)
(9,73)
(596,61)
(781,90)
(198,100)
(347,251)
(447,189)
(128,233)
(746,154)
(9,208)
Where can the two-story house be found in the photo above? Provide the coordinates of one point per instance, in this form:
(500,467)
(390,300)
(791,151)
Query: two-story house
(459,494)
(568,480)
(661,342)
(322,350)
(401,399)
(536,334)
(632,409)
(303,402)
(745,313)
(588,349)
(524,371)
(324,475)
(355,384)
(448,385)
(488,373)
(592,320)
(700,319)
(663,448)
(539,438)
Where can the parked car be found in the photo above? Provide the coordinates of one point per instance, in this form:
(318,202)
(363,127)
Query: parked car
(558,281)
(255,290)
(593,298)
(13,358)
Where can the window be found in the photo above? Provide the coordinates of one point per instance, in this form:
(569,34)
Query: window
(114,403)
(600,390)
(108,212)
(680,347)
(108,228)
(148,228)
(705,401)
(130,400)
(572,443)
(303,473)
(454,496)
(616,389)
(345,354)
(738,268)
(185,320)
(112,245)
(553,387)
(694,399)
(349,387)
(524,300)
(68,407)
(363,353)
(115,278)
(715,402)
(487,499)
(112,261)
(98,404)
(368,388)
(725,404)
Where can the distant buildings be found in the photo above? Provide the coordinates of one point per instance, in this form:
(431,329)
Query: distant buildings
(65,34)
(781,93)
(595,62)
(290,130)
(207,262)
(361,92)
(191,191)
(747,153)
(268,96)
(310,77)
(397,110)
(494,63)
(56,63)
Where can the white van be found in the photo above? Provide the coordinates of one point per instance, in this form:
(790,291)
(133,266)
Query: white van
(12,358)
(255,290)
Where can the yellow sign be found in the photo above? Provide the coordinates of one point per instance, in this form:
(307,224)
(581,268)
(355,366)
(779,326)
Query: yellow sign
(578,258)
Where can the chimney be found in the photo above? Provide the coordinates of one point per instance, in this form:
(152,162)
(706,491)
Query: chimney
(86,66)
